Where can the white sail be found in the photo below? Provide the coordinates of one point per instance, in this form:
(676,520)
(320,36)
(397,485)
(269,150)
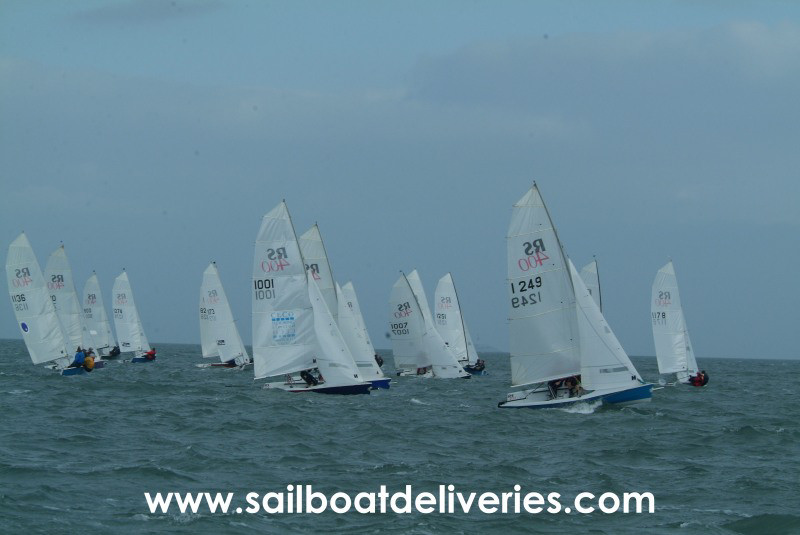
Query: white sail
(127,323)
(406,328)
(604,364)
(44,337)
(591,278)
(333,357)
(95,319)
(472,353)
(354,336)
(219,336)
(316,261)
(283,319)
(450,321)
(443,361)
(58,275)
(349,294)
(673,347)
(544,334)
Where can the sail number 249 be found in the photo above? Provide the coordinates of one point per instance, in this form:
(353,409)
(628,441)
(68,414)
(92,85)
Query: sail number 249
(528,290)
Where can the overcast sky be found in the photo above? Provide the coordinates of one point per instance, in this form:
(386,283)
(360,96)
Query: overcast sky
(153,135)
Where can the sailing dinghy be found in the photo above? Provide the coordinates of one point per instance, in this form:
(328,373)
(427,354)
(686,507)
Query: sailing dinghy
(127,323)
(417,346)
(33,307)
(360,347)
(294,333)
(562,349)
(95,319)
(671,337)
(58,274)
(452,327)
(219,336)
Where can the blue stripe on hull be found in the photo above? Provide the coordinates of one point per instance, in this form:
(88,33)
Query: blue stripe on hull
(381,383)
(137,360)
(482,372)
(349,390)
(628,396)
(73,371)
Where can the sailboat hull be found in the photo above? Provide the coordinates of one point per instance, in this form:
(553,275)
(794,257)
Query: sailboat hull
(637,394)
(381,383)
(469,369)
(345,390)
(73,371)
(139,360)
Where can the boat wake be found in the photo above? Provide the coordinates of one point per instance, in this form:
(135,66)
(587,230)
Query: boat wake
(418,402)
(583,408)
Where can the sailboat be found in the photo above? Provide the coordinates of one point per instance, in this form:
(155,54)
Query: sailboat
(33,307)
(293,328)
(318,265)
(127,323)
(356,341)
(452,327)
(219,336)
(673,348)
(58,274)
(417,346)
(562,349)
(97,328)
(591,278)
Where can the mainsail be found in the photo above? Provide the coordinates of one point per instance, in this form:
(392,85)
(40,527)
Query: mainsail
(126,317)
(58,275)
(219,336)
(673,346)
(95,319)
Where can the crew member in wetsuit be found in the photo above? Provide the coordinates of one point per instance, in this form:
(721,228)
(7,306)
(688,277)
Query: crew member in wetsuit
(309,378)
(150,355)
(705,378)
(479,365)
(696,380)
(379,360)
(114,351)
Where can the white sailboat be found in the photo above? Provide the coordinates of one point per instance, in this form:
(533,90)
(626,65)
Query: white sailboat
(219,336)
(293,328)
(360,347)
(318,266)
(349,294)
(33,307)
(58,274)
(95,319)
(417,346)
(562,349)
(452,327)
(127,322)
(591,278)
(671,337)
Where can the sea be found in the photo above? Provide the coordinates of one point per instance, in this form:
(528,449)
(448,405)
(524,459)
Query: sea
(77,454)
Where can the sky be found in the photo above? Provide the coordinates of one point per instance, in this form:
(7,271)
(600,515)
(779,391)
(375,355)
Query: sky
(153,136)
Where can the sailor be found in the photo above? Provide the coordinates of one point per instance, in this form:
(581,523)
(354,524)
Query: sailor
(553,387)
(88,362)
(705,378)
(80,357)
(114,351)
(150,355)
(696,380)
(309,378)
(379,360)
(479,365)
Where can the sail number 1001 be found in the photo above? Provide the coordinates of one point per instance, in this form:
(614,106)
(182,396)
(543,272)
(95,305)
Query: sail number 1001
(528,290)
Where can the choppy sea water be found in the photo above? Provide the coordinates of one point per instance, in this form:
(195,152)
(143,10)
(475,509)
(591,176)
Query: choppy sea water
(77,454)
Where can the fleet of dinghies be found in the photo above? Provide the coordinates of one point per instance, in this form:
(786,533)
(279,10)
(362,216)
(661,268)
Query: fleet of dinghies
(309,334)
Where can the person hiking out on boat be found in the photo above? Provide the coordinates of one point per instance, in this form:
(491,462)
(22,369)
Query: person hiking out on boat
(79,359)
(554,385)
(114,351)
(705,378)
(479,365)
(150,355)
(379,360)
(309,378)
(696,380)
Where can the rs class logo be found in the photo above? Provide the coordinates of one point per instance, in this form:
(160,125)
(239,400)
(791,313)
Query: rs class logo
(213,297)
(314,268)
(403,310)
(663,299)
(23,272)
(534,246)
(277,253)
(91,299)
(57,278)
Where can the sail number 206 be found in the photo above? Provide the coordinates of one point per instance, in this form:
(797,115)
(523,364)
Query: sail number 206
(528,290)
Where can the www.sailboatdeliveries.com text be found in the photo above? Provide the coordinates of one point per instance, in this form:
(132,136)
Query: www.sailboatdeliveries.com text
(303,499)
